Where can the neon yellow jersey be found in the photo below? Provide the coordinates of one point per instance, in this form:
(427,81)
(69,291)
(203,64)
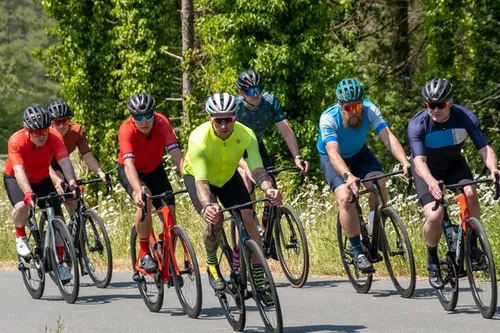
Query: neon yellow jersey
(210,158)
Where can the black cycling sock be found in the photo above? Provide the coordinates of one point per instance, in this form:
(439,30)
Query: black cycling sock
(432,255)
(357,248)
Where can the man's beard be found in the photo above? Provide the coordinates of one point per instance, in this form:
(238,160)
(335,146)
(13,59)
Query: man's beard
(353,119)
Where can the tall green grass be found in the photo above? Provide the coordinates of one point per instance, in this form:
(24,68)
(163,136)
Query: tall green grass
(313,201)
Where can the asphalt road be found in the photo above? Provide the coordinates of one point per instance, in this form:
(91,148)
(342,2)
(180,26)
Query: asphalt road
(323,305)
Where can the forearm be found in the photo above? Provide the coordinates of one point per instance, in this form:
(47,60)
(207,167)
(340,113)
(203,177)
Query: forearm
(203,192)
(21,178)
(262,179)
(423,170)
(489,158)
(178,159)
(338,163)
(67,169)
(91,162)
(292,144)
(132,177)
(54,176)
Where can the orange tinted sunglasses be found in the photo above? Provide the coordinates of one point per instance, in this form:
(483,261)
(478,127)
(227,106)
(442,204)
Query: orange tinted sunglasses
(39,133)
(353,107)
(61,122)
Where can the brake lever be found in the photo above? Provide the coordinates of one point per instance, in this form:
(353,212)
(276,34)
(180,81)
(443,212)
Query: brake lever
(440,201)
(497,185)
(144,211)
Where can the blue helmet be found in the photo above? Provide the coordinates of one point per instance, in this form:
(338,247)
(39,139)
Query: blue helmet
(350,90)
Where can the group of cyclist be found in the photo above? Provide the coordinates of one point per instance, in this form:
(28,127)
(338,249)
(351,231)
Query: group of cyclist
(226,157)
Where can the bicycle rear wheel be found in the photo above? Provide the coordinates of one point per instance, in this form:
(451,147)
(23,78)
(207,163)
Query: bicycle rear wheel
(188,283)
(398,253)
(481,269)
(96,249)
(62,259)
(448,296)
(32,271)
(231,299)
(150,285)
(266,298)
(291,246)
(360,281)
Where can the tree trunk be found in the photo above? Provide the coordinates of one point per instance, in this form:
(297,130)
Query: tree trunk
(187,16)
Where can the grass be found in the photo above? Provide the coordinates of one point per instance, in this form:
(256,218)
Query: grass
(314,203)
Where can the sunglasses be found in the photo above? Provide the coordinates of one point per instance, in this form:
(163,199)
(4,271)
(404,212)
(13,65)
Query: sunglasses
(353,107)
(61,122)
(226,120)
(440,105)
(253,91)
(39,133)
(142,117)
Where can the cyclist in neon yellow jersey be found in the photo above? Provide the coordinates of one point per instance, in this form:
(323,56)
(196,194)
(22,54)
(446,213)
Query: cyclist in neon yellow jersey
(210,173)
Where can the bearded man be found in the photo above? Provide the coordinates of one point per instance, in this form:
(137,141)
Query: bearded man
(344,157)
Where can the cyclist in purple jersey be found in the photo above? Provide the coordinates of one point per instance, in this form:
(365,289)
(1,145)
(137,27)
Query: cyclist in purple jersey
(345,158)
(436,135)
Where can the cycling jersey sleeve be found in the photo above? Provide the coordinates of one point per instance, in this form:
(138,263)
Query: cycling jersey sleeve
(125,143)
(14,153)
(57,144)
(82,144)
(198,161)
(474,131)
(253,159)
(170,139)
(328,128)
(278,114)
(376,119)
(416,138)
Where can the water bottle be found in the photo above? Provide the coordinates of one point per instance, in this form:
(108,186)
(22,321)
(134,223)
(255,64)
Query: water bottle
(236,257)
(451,234)
(159,243)
(265,216)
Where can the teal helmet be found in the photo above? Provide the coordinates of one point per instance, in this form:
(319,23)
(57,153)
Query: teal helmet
(350,90)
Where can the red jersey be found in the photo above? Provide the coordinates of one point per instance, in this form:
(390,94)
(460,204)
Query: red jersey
(75,137)
(146,150)
(36,160)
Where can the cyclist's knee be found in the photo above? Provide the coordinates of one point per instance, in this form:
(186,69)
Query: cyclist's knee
(433,217)
(471,193)
(19,212)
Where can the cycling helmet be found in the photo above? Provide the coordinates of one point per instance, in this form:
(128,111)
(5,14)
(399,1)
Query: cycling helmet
(248,79)
(59,109)
(437,90)
(350,90)
(36,118)
(221,105)
(141,104)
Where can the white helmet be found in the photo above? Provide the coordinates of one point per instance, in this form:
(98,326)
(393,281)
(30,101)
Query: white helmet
(221,105)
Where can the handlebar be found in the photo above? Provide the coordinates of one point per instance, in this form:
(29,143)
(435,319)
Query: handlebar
(273,171)
(167,194)
(109,185)
(250,203)
(443,187)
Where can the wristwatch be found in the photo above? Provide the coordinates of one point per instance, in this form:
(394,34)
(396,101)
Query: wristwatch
(346,175)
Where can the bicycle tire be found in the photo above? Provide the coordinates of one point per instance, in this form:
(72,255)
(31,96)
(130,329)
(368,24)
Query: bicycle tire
(484,269)
(34,275)
(294,240)
(150,286)
(253,250)
(394,229)
(231,298)
(448,296)
(68,293)
(190,272)
(94,247)
(360,281)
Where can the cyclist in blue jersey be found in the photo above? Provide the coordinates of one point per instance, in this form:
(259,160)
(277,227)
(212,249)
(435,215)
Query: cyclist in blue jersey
(256,110)
(436,135)
(345,158)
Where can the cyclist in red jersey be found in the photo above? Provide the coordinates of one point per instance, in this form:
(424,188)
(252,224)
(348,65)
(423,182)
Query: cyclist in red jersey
(26,171)
(142,139)
(73,136)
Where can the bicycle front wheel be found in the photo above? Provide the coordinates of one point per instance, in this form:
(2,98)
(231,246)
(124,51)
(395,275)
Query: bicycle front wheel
(150,285)
(96,249)
(265,295)
(448,296)
(63,262)
(291,246)
(188,283)
(398,253)
(32,271)
(481,269)
(360,281)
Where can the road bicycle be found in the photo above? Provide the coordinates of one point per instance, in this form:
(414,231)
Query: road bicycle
(51,247)
(177,264)
(237,276)
(389,235)
(467,244)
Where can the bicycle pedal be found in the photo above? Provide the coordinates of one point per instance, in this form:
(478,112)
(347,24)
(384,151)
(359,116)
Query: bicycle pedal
(137,277)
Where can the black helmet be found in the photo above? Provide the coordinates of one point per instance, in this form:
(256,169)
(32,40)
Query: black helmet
(248,79)
(437,90)
(141,104)
(36,118)
(59,109)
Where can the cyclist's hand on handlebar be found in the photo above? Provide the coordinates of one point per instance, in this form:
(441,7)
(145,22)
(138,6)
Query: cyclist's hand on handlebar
(211,213)
(495,175)
(29,198)
(102,175)
(74,188)
(60,187)
(352,184)
(406,170)
(435,190)
(274,196)
(302,165)
(137,196)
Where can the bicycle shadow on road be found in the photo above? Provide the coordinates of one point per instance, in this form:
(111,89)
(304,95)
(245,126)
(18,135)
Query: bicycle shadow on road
(216,313)
(325,328)
(315,284)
